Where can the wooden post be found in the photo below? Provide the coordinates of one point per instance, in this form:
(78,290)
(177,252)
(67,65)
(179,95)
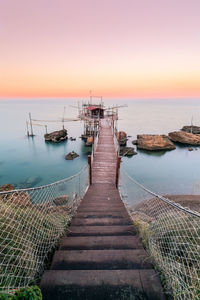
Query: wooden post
(90,168)
(27,128)
(31,124)
(117,170)
(45,128)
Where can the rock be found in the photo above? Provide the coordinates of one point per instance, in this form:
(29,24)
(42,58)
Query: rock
(190,149)
(184,138)
(62,200)
(71,155)
(122,138)
(89,141)
(127,151)
(154,142)
(72,139)
(18,199)
(56,136)
(191,129)
(134,142)
(7,187)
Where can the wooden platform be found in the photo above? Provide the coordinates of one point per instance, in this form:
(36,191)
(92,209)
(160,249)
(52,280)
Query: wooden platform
(101,257)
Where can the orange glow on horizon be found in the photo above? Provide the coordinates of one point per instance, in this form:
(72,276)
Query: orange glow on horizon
(144,49)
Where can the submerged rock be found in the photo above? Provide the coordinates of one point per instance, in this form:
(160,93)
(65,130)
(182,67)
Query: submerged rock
(191,129)
(30,182)
(62,200)
(71,155)
(127,151)
(190,149)
(154,142)
(56,136)
(185,138)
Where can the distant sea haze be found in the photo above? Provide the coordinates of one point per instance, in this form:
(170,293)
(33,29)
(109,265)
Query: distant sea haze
(26,161)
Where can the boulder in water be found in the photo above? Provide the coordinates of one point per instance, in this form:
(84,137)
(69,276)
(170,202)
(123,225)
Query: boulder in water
(89,141)
(185,138)
(122,138)
(154,142)
(56,136)
(191,129)
(71,155)
(127,151)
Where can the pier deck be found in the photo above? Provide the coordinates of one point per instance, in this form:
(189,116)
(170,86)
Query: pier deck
(101,257)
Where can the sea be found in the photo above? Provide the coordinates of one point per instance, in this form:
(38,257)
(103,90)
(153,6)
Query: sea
(30,161)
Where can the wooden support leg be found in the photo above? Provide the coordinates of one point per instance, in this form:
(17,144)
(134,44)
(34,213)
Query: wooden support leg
(117,170)
(90,168)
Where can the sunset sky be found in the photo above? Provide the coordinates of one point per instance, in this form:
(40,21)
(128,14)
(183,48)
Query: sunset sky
(116,48)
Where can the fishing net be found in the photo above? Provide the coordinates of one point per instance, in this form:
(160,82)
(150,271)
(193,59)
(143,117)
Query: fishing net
(31,224)
(170,233)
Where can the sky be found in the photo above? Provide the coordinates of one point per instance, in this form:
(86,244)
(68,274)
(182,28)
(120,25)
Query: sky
(116,48)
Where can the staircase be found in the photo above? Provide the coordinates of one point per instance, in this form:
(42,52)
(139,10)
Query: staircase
(101,257)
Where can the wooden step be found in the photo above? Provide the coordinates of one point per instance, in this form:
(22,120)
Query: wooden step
(100,243)
(102,214)
(100,260)
(101,284)
(101,230)
(100,221)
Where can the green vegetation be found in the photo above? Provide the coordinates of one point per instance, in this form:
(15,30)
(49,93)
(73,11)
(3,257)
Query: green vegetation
(172,240)
(28,293)
(28,235)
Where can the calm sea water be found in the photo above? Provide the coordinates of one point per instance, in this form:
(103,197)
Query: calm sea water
(30,161)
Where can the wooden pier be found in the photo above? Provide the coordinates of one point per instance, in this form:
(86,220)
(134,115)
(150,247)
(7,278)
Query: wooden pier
(101,257)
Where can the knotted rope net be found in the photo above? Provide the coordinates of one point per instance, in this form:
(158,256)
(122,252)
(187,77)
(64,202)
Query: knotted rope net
(170,233)
(31,224)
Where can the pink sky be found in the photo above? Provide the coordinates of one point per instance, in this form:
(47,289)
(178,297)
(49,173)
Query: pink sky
(117,48)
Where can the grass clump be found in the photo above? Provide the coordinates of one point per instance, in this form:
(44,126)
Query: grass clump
(28,293)
(27,236)
(172,240)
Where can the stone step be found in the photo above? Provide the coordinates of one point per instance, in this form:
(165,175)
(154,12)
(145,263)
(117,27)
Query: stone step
(100,260)
(101,230)
(100,243)
(101,284)
(100,221)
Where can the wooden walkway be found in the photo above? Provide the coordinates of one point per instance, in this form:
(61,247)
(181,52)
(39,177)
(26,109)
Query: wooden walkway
(101,257)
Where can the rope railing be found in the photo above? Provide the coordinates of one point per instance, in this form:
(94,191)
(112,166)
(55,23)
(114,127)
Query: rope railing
(31,223)
(171,234)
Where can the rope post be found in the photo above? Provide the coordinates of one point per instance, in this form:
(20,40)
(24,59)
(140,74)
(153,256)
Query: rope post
(117,170)
(90,168)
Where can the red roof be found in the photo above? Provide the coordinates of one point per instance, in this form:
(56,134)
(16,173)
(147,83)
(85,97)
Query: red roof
(93,107)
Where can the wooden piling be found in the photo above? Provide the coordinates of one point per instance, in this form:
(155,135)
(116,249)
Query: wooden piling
(117,170)
(90,168)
